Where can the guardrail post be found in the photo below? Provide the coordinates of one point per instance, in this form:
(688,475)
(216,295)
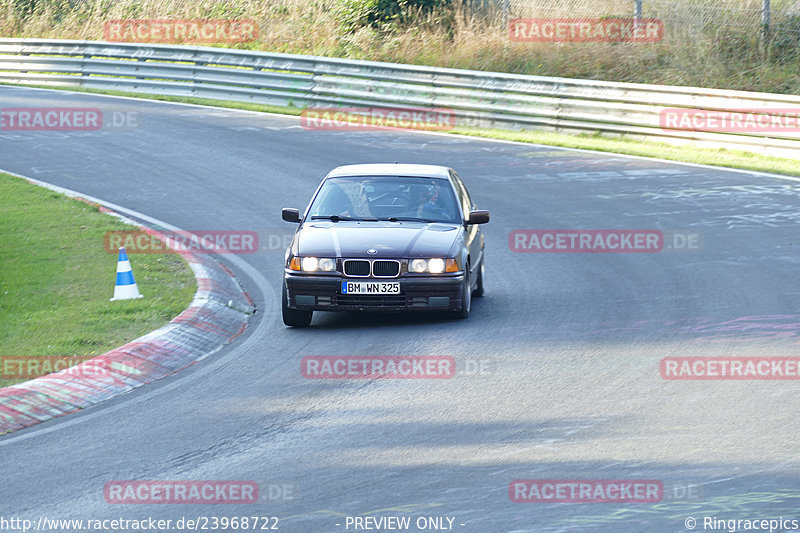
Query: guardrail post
(83,75)
(25,54)
(197,63)
(142,60)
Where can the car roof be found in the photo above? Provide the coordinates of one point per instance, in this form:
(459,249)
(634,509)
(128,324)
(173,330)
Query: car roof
(391,169)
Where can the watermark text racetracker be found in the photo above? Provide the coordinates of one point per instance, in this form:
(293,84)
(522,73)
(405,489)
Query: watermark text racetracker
(603,241)
(187,31)
(586,491)
(559,30)
(377,119)
(730,368)
(65,119)
(197,241)
(199,491)
(180,492)
(766,120)
(396,367)
(34,366)
(378,367)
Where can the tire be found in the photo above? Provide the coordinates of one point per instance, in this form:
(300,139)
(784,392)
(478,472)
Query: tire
(478,292)
(296,318)
(466,298)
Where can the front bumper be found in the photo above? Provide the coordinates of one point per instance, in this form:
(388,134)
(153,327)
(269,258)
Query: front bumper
(323,293)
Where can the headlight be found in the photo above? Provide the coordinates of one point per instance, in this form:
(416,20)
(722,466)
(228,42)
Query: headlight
(418,265)
(327,265)
(313,264)
(309,264)
(436,265)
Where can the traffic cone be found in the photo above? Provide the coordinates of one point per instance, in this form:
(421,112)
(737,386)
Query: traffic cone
(126,288)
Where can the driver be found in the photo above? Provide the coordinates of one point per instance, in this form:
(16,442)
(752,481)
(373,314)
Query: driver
(425,200)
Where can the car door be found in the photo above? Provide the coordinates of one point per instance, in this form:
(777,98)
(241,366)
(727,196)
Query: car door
(474,235)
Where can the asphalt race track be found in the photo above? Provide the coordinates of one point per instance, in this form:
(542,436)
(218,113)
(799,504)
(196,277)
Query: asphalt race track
(566,345)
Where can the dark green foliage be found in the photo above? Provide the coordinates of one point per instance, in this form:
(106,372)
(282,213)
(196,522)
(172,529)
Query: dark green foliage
(355,14)
(785,40)
(24,8)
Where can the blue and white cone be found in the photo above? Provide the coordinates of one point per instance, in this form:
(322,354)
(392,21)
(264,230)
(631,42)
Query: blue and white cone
(126,288)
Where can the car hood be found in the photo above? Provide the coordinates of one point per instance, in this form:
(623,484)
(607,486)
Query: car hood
(389,239)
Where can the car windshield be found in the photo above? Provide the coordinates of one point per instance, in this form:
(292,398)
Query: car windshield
(385,198)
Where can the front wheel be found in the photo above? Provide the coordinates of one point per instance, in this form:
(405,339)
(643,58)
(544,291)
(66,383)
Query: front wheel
(297,318)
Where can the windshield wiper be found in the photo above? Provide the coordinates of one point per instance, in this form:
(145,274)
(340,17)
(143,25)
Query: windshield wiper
(337,218)
(409,219)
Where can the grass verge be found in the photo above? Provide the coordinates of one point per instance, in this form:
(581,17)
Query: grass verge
(721,157)
(688,153)
(56,279)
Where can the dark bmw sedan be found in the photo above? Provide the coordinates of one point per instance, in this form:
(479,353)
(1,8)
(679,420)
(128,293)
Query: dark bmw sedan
(385,237)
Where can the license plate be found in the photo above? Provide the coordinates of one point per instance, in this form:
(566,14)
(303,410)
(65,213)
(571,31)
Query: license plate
(370,287)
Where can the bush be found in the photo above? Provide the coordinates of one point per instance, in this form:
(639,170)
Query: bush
(24,8)
(734,46)
(355,14)
(786,40)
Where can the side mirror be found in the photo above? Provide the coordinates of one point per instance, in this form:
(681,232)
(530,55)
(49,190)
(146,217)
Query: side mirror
(290,215)
(478,217)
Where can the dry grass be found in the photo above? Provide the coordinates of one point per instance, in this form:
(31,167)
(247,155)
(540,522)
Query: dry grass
(701,55)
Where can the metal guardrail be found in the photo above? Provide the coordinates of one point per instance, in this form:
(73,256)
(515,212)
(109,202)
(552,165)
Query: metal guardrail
(480,99)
